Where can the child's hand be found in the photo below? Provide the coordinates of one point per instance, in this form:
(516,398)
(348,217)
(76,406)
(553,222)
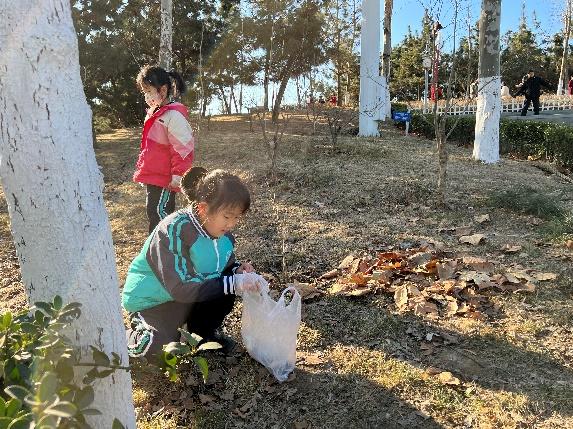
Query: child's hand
(245,267)
(175,182)
(250,282)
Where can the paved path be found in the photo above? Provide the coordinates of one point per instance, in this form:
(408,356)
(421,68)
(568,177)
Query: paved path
(560,116)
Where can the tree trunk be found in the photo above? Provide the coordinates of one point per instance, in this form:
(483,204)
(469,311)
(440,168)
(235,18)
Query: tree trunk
(224,99)
(53,186)
(566,36)
(369,68)
(486,144)
(387,108)
(280,94)
(165,51)
(266,79)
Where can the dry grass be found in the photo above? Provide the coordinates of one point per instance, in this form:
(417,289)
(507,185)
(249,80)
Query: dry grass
(360,362)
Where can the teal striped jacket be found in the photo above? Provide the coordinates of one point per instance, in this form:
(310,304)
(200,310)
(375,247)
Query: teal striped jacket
(180,262)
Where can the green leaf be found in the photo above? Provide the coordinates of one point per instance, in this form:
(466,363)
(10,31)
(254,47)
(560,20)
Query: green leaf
(45,307)
(18,392)
(48,386)
(2,407)
(5,422)
(22,422)
(192,339)
(62,409)
(6,320)
(47,422)
(176,348)
(84,397)
(117,424)
(28,328)
(201,362)
(211,345)
(100,358)
(57,302)
(172,373)
(91,412)
(13,407)
(169,359)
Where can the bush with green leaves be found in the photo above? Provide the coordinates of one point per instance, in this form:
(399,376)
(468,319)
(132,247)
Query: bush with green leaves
(546,140)
(40,369)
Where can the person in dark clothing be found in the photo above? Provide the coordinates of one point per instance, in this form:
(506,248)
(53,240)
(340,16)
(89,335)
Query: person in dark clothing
(531,88)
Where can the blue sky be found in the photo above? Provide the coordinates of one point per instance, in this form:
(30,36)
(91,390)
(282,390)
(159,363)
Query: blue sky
(410,12)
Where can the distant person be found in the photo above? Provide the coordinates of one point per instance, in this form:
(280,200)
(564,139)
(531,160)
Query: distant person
(474,89)
(531,88)
(570,86)
(333,100)
(504,90)
(167,143)
(321,99)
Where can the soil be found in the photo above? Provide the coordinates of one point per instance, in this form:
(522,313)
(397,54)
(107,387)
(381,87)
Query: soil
(361,363)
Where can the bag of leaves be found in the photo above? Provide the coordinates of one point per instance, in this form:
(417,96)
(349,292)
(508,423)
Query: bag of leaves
(269,330)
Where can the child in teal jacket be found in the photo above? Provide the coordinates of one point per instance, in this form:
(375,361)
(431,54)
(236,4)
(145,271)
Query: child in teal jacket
(186,272)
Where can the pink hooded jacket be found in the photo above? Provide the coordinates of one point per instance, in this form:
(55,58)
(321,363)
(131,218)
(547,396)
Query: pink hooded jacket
(167,146)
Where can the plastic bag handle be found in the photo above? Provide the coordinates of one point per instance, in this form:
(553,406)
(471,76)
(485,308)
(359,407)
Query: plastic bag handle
(295,294)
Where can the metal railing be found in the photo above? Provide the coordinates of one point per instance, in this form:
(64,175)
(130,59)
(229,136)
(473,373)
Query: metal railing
(509,104)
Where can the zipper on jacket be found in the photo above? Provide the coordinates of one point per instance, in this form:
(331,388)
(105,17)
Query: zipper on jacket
(216,252)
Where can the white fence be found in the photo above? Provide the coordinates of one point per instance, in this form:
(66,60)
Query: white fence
(463,107)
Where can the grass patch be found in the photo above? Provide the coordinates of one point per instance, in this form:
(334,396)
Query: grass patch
(527,200)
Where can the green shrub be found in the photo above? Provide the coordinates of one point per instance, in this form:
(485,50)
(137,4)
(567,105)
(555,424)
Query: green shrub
(518,138)
(38,371)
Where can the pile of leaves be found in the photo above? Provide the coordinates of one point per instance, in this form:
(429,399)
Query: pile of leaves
(431,283)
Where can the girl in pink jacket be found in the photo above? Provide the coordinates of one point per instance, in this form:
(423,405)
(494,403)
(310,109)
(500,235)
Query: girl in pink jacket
(167,144)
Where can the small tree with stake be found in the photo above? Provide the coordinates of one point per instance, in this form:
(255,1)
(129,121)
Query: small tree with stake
(272,137)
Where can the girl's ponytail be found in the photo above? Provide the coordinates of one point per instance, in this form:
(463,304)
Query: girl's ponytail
(179,86)
(191,180)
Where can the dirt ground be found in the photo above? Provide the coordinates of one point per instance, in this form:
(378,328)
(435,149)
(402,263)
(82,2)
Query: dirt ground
(362,362)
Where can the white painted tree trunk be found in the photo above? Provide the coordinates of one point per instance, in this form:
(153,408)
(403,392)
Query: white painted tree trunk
(486,144)
(566,36)
(165,42)
(370,82)
(386,53)
(54,188)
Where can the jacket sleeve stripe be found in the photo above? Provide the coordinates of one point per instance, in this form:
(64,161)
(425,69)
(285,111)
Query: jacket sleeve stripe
(175,247)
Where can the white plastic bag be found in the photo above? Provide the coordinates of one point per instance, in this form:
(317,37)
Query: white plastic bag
(269,330)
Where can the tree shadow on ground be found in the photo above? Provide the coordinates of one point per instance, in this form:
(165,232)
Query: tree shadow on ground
(487,359)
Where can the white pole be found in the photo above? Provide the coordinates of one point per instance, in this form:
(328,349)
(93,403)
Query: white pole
(425,90)
(370,100)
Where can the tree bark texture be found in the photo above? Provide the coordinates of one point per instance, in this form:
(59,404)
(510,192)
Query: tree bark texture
(165,41)
(53,186)
(486,144)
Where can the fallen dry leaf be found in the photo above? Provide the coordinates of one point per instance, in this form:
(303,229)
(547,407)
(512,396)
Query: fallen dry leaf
(306,290)
(479,264)
(346,262)
(330,274)
(448,378)
(401,296)
(383,276)
(451,308)
(508,248)
(313,359)
(206,399)
(463,230)
(524,287)
(302,424)
(482,218)
(474,239)
(432,370)
(569,244)
(447,269)
(545,276)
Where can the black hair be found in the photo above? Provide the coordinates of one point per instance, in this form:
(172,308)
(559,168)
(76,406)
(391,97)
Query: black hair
(156,77)
(217,188)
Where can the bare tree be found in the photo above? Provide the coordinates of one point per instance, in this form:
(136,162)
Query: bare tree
(566,36)
(54,188)
(272,137)
(486,144)
(165,50)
